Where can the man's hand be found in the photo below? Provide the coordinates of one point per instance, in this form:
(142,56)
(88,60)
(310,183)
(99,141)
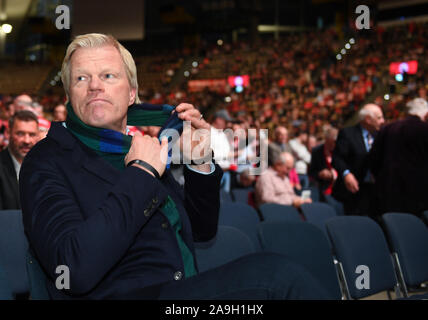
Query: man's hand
(351,183)
(188,112)
(148,149)
(326,175)
(298,201)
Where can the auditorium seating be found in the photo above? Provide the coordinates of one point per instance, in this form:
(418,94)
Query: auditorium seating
(241,194)
(318,213)
(19,78)
(229,244)
(13,248)
(278,212)
(242,217)
(364,259)
(305,244)
(408,240)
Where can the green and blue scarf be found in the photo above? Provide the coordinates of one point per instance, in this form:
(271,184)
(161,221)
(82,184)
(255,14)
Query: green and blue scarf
(113,146)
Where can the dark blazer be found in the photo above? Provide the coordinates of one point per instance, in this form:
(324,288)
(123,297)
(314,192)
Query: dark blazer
(350,153)
(9,190)
(399,162)
(105,225)
(318,164)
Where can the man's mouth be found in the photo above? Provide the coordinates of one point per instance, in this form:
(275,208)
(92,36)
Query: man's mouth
(98,100)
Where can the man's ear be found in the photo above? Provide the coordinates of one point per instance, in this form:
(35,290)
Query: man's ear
(132,94)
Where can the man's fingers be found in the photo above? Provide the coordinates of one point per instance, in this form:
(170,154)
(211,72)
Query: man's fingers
(183,106)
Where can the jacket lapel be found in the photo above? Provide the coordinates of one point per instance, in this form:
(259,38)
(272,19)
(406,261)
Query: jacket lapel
(82,155)
(360,138)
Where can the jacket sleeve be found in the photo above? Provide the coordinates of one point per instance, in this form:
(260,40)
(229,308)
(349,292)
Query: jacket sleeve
(341,153)
(59,234)
(202,202)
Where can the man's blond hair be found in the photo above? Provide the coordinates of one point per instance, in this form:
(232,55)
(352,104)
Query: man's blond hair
(96,40)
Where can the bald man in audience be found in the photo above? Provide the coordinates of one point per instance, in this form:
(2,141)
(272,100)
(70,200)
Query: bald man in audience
(21,102)
(355,184)
(273,186)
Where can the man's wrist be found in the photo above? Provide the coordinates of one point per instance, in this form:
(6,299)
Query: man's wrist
(142,168)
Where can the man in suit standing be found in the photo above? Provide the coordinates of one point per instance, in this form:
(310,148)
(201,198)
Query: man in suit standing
(320,168)
(355,185)
(22,135)
(399,160)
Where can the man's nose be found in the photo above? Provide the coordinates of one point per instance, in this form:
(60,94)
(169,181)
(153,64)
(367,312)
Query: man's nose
(27,139)
(95,84)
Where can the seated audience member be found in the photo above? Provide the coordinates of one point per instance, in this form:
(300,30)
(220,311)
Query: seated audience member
(399,162)
(59,113)
(281,139)
(321,169)
(273,186)
(21,102)
(22,135)
(104,205)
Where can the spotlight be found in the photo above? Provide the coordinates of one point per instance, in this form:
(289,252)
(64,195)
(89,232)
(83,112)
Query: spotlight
(343,51)
(352,41)
(194,64)
(7,28)
(386,97)
(339,57)
(239,89)
(399,77)
(186,73)
(347,46)
(220,42)
(228,99)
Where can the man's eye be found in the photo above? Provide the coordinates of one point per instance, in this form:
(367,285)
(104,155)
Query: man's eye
(109,76)
(81,78)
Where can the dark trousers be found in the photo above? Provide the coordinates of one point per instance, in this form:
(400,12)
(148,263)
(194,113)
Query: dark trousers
(258,276)
(363,202)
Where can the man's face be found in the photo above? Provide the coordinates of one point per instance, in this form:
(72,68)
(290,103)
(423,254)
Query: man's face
(283,169)
(23,102)
(100,92)
(375,121)
(60,113)
(281,135)
(22,137)
(219,123)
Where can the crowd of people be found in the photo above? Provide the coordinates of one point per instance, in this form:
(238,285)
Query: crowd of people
(299,91)
(289,123)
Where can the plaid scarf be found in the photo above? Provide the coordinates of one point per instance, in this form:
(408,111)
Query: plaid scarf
(113,146)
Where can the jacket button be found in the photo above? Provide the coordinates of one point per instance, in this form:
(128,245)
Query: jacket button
(178,275)
(165,225)
(155,200)
(147,212)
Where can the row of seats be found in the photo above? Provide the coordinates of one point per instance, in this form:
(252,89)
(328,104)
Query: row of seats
(331,251)
(244,195)
(339,250)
